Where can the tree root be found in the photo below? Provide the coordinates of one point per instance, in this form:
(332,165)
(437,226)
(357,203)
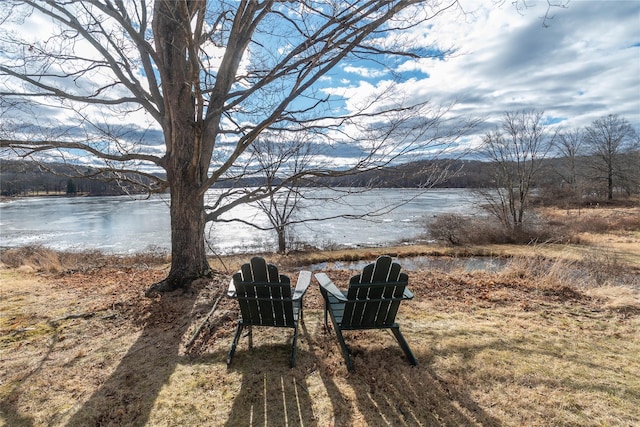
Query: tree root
(167,285)
(173,283)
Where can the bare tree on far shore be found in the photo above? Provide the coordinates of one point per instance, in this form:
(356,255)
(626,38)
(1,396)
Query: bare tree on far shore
(614,148)
(515,149)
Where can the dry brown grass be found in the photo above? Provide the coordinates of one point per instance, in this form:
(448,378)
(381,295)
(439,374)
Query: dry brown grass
(552,339)
(505,348)
(41,259)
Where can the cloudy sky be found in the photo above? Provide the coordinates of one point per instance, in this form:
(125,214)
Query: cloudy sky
(582,65)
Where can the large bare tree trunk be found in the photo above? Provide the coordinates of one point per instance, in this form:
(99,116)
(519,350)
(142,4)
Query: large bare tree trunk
(186,173)
(188,255)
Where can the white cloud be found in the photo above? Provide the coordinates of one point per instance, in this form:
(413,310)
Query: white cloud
(584,65)
(364,72)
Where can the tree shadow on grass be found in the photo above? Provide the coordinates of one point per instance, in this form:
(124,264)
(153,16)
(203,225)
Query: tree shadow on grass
(8,411)
(128,395)
(274,394)
(384,390)
(271,393)
(390,391)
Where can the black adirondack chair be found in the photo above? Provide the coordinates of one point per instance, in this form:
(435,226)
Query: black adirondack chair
(371,302)
(266,299)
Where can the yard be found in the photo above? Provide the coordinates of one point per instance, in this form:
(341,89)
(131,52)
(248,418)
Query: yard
(551,339)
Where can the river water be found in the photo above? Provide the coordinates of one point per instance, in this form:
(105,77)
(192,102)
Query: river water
(125,225)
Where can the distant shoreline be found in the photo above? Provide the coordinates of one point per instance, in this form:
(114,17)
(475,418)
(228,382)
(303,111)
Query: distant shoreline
(60,195)
(5,198)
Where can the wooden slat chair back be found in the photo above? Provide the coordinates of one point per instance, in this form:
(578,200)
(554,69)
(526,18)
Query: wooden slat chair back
(265,298)
(374,296)
(371,302)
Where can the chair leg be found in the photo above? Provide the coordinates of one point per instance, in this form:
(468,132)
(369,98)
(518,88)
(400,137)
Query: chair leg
(250,335)
(344,348)
(326,312)
(235,342)
(292,363)
(404,345)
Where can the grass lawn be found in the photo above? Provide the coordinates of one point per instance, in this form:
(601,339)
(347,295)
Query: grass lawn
(549,340)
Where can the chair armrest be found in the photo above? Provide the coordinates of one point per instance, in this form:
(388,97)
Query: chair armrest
(231,292)
(328,286)
(304,280)
(407,294)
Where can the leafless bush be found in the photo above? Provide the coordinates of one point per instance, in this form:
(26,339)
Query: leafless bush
(604,224)
(591,224)
(604,268)
(448,228)
(627,223)
(455,230)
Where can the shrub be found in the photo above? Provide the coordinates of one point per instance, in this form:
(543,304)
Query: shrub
(448,228)
(455,230)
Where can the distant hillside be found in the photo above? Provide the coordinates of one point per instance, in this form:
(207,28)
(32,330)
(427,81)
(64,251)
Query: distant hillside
(439,173)
(19,177)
